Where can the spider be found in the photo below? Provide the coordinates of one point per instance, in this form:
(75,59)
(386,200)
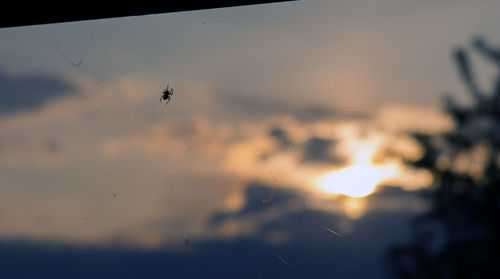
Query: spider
(167,93)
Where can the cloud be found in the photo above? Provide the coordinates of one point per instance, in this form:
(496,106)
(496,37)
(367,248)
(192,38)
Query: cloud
(172,167)
(66,159)
(266,203)
(31,91)
(278,133)
(56,124)
(258,198)
(320,150)
(297,236)
(173,174)
(258,107)
(405,118)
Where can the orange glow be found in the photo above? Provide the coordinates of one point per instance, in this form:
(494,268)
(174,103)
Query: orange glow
(354,181)
(362,176)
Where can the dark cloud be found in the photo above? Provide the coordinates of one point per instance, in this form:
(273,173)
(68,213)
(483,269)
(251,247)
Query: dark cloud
(278,133)
(256,195)
(283,142)
(314,150)
(311,252)
(320,150)
(29,92)
(317,149)
(315,252)
(387,191)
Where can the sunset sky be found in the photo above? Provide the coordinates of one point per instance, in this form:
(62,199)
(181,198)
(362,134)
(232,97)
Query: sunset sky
(305,99)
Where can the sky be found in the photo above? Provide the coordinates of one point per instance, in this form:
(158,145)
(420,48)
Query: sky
(282,128)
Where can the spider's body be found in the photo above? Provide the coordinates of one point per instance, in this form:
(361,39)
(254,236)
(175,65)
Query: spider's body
(167,93)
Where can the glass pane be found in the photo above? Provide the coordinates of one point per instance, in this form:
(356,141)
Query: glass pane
(266,141)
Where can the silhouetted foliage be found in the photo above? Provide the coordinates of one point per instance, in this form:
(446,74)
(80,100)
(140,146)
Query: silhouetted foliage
(458,237)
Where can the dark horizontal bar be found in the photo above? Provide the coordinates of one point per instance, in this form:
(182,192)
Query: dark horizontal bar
(22,13)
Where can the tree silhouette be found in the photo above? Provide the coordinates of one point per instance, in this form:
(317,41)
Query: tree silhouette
(458,237)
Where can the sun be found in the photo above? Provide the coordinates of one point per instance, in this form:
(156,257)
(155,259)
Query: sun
(354,181)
